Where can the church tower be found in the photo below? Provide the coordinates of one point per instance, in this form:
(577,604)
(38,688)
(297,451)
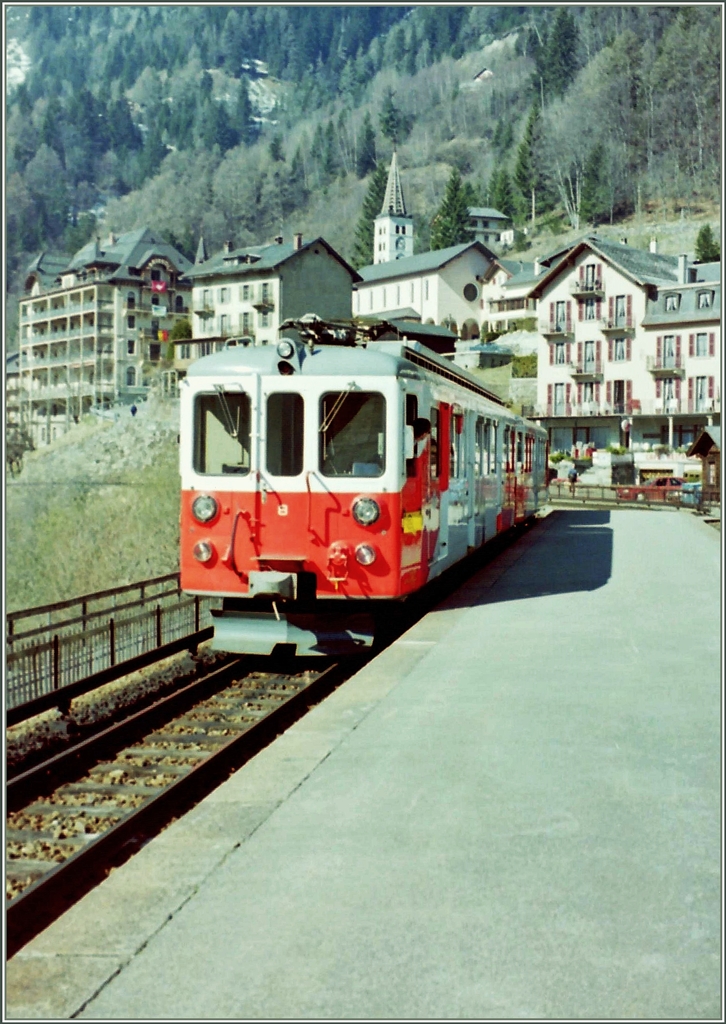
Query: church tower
(393,228)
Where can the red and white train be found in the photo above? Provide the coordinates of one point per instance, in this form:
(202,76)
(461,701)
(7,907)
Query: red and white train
(321,480)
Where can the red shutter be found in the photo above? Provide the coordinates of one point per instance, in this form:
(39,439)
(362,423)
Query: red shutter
(628,348)
(712,344)
(552,315)
(582,271)
(568,353)
(568,316)
(580,308)
(598,309)
(598,355)
(629,309)
(678,350)
(711,384)
(658,350)
(609,392)
(658,386)
(691,344)
(599,273)
(610,349)
(579,394)
(691,382)
(628,390)
(552,354)
(597,393)
(579,353)
(678,389)
(568,397)
(549,399)
(611,309)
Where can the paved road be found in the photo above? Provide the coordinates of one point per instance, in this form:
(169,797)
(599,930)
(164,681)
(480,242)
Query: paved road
(514,812)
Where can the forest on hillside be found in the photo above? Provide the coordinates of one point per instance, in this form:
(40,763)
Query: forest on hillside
(241,122)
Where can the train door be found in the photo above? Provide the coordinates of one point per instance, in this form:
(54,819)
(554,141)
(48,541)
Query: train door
(433,488)
(414,495)
(519,487)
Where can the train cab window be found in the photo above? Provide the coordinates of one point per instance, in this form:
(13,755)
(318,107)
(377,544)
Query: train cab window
(222,433)
(352,433)
(434,460)
(284,436)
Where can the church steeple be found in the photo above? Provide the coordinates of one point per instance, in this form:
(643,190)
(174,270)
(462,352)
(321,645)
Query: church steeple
(393,202)
(393,227)
(201,256)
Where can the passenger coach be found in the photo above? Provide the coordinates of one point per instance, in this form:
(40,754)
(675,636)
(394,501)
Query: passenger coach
(320,478)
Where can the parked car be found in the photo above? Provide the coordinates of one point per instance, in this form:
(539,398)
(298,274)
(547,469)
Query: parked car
(662,488)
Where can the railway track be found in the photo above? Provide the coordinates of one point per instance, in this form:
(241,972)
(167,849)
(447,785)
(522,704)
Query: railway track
(85,810)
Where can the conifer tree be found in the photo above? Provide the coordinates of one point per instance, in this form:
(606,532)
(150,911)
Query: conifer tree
(707,248)
(364,237)
(450,225)
(501,193)
(366,160)
(527,176)
(595,201)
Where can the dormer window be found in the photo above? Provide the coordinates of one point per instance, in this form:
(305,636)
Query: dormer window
(705,300)
(671,302)
(156,275)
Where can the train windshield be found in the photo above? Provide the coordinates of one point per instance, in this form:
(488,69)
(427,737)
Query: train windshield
(285,416)
(222,433)
(352,433)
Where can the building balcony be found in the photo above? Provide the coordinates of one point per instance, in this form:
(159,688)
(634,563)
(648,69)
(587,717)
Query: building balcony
(616,324)
(204,310)
(264,305)
(592,288)
(666,366)
(587,371)
(551,329)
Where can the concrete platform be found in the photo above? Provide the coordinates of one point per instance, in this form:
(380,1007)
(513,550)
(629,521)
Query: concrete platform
(513,812)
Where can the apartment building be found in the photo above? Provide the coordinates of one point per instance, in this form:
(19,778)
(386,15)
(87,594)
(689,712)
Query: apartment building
(441,287)
(506,299)
(93,326)
(630,346)
(489,226)
(249,292)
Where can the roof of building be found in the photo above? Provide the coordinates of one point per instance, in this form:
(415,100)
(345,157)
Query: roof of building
(256,258)
(407,313)
(487,211)
(422,263)
(642,266)
(710,438)
(12,362)
(393,201)
(688,311)
(707,271)
(132,249)
(46,267)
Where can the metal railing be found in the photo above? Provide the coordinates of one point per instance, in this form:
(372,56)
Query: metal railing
(58,645)
(628,495)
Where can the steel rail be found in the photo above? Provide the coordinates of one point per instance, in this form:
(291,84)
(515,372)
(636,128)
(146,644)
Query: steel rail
(51,895)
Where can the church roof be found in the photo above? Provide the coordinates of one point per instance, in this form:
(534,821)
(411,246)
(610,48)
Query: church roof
(393,201)
(421,263)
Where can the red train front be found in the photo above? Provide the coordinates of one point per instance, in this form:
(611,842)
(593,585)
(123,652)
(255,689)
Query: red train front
(314,482)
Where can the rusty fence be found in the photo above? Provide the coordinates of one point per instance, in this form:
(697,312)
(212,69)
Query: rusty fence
(633,495)
(55,648)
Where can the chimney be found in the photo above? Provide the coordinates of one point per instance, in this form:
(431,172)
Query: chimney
(278,239)
(537,268)
(228,246)
(623,241)
(112,239)
(682,268)
(297,240)
(654,244)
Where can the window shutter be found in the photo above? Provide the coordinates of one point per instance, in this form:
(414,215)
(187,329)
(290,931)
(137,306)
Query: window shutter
(611,309)
(549,399)
(582,271)
(658,387)
(691,344)
(598,309)
(629,310)
(597,393)
(580,308)
(678,389)
(678,350)
(628,348)
(628,390)
(711,385)
(552,354)
(610,349)
(568,395)
(552,315)
(712,344)
(598,354)
(568,316)
(599,274)
(658,350)
(609,392)
(579,394)
(579,353)
(691,383)
(568,353)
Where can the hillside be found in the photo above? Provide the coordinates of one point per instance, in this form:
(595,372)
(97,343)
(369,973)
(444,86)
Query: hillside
(273,119)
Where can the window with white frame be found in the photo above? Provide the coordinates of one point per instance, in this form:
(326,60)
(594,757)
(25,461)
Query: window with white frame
(264,319)
(671,302)
(224,295)
(245,293)
(560,353)
(701,394)
(619,350)
(246,323)
(589,309)
(702,344)
(560,316)
(620,310)
(705,300)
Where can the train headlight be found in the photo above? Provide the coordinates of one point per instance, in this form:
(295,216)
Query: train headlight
(285,349)
(366,511)
(204,508)
(203,551)
(365,554)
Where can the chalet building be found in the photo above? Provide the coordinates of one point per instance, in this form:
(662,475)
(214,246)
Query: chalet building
(489,226)
(630,346)
(441,287)
(707,447)
(249,292)
(92,324)
(506,299)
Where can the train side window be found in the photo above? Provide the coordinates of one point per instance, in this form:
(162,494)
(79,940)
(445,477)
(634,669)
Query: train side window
(506,451)
(285,418)
(493,432)
(520,448)
(352,433)
(222,433)
(457,461)
(480,447)
(434,445)
(411,417)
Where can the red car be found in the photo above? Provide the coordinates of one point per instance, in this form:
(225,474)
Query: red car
(662,488)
